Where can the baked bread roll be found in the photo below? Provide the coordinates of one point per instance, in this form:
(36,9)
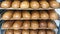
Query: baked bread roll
(17,15)
(6,4)
(44,4)
(34,4)
(25,31)
(42,32)
(24,4)
(50,32)
(16,0)
(17,25)
(16,4)
(17,31)
(35,15)
(26,14)
(7,0)
(53,15)
(34,0)
(7,24)
(51,25)
(9,32)
(33,32)
(26,25)
(52,0)
(44,15)
(7,15)
(43,0)
(54,4)
(43,24)
(34,25)
(25,0)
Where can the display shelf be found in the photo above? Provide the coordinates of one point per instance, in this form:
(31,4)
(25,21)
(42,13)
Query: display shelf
(29,19)
(26,28)
(27,9)
(57,30)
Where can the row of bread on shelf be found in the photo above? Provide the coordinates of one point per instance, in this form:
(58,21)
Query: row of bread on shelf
(29,25)
(17,15)
(32,4)
(29,31)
